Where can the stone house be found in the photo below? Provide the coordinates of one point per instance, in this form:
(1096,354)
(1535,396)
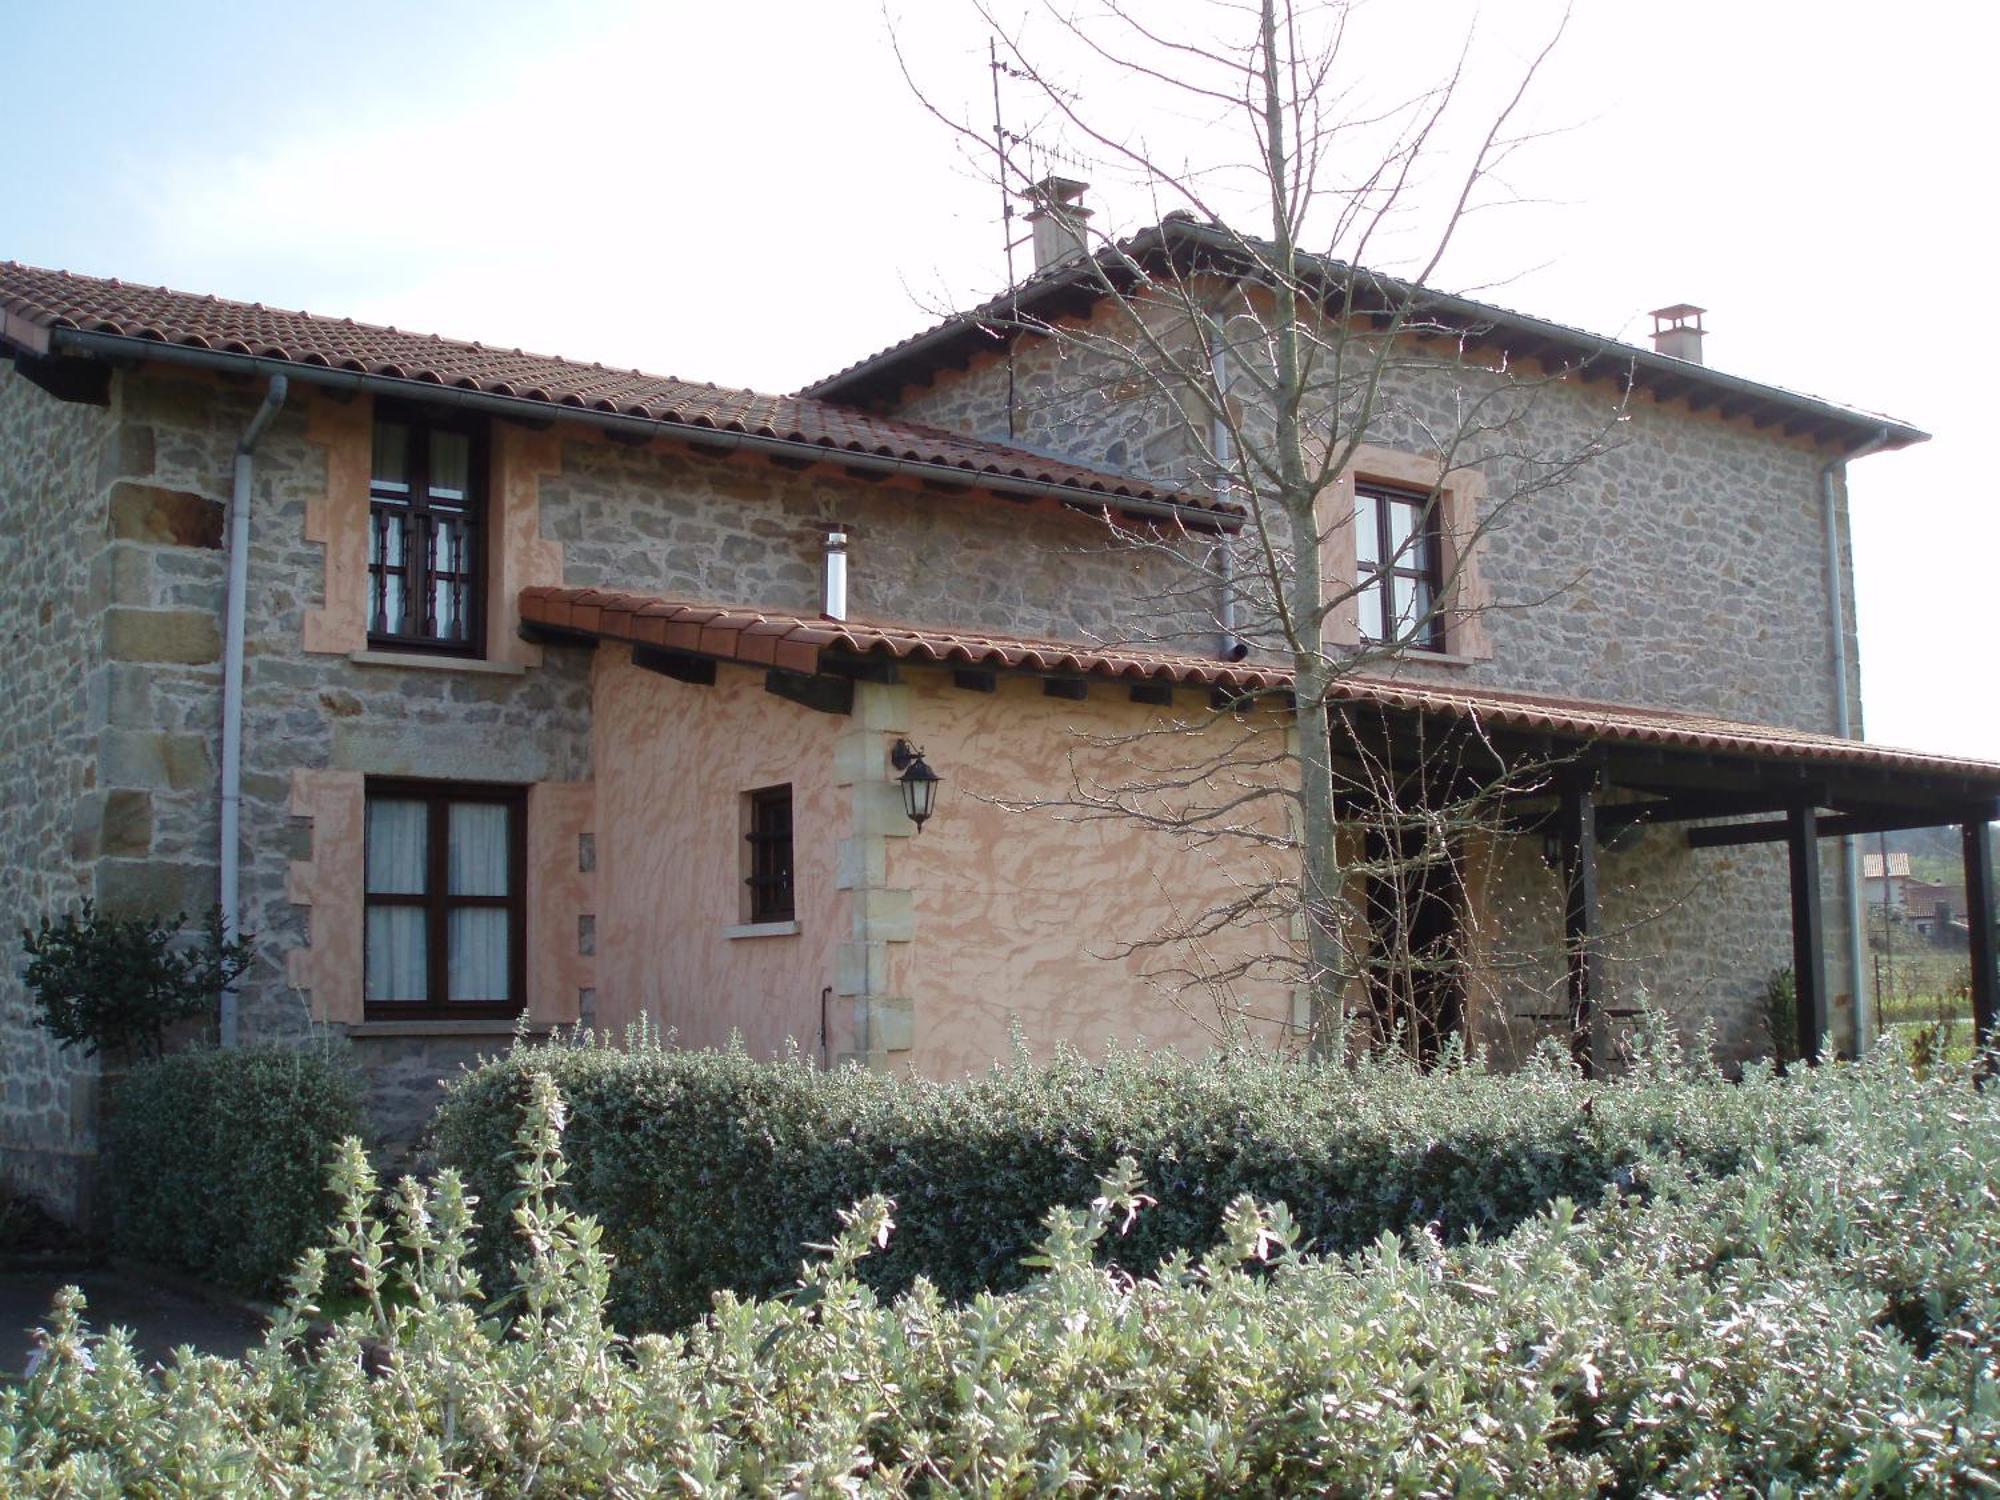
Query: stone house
(492,691)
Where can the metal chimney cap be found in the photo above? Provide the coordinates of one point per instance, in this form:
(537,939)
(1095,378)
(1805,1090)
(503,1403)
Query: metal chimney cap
(1060,192)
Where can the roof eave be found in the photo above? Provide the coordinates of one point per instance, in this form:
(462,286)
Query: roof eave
(124,348)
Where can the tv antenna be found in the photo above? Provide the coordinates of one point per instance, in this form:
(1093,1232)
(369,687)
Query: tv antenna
(1041,164)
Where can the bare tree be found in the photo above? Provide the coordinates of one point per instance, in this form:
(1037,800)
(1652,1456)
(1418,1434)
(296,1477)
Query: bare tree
(1273,365)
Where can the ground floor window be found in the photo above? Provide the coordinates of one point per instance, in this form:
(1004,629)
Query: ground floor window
(445,878)
(768,854)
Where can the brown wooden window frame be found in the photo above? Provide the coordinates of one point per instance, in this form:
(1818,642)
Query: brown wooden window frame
(769,878)
(414,511)
(438,902)
(1420,559)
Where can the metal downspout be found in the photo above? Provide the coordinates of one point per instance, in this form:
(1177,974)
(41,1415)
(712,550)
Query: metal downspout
(232,682)
(1843,718)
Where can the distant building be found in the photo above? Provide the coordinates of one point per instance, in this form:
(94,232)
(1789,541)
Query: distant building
(1873,880)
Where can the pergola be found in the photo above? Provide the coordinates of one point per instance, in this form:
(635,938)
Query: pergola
(1598,768)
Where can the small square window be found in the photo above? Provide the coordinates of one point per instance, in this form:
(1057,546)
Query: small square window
(768,854)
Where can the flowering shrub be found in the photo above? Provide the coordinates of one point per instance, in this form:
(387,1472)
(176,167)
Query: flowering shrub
(215,1161)
(707,1170)
(1826,1319)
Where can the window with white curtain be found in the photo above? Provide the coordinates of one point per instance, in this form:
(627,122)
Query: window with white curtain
(444,884)
(424,540)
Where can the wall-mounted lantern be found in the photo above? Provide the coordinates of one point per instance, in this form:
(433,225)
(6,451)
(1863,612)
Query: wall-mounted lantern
(918,781)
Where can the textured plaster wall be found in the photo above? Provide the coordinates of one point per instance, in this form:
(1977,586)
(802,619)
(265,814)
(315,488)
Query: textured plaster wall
(1684,566)
(990,919)
(674,761)
(56,463)
(1025,917)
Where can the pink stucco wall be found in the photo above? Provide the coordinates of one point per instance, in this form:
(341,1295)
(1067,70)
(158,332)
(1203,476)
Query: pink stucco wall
(1022,915)
(1019,916)
(672,763)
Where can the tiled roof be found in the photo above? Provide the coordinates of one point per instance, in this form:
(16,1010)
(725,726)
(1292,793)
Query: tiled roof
(1619,723)
(1067,287)
(36,306)
(794,643)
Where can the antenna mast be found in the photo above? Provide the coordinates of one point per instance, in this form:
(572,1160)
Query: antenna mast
(1006,225)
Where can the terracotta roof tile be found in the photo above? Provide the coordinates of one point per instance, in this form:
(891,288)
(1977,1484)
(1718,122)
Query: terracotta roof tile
(1052,294)
(36,304)
(795,642)
(762,638)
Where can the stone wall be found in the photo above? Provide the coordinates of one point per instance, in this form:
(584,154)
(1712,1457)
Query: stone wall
(742,531)
(56,462)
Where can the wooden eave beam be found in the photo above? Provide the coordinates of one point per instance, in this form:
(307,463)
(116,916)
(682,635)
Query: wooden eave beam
(682,666)
(1840,825)
(883,669)
(822,694)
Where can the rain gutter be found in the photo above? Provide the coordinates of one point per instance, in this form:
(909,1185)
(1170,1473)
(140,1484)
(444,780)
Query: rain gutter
(528,409)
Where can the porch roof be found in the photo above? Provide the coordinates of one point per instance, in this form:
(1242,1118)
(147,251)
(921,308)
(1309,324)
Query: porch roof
(811,644)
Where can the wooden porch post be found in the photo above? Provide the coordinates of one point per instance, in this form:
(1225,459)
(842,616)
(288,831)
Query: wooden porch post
(1808,936)
(1582,940)
(1979,922)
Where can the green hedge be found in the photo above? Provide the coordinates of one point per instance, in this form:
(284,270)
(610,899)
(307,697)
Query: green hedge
(708,1170)
(216,1160)
(1825,1320)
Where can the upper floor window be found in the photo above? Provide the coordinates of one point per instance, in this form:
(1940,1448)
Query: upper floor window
(1398,566)
(444,889)
(425,510)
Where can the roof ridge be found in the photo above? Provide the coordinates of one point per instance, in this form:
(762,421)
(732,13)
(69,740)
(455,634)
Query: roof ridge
(1219,238)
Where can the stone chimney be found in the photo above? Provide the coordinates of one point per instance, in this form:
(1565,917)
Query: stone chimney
(1677,331)
(1058,218)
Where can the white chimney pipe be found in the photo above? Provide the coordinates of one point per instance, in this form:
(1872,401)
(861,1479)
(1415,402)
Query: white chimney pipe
(833,594)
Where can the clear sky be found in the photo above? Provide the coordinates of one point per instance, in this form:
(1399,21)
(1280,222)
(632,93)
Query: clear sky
(749,194)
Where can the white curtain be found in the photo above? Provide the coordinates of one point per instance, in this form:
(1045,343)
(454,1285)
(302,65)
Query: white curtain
(451,465)
(477,959)
(396,961)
